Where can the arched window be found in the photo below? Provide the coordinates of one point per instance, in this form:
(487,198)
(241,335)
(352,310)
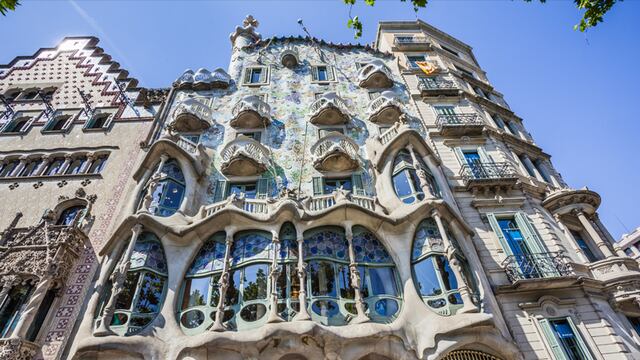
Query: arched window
(30,167)
(68,216)
(8,168)
(54,166)
(332,296)
(97,165)
(288,281)
(169,192)
(144,288)
(405,178)
(11,308)
(201,294)
(433,277)
(76,166)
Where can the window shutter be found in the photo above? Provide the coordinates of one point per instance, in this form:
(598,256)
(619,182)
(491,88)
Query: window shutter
(330,73)
(583,346)
(314,73)
(67,124)
(530,233)
(484,157)
(317,186)
(262,188)
(247,76)
(4,125)
(498,231)
(358,187)
(264,75)
(220,191)
(552,340)
(109,121)
(27,125)
(460,155)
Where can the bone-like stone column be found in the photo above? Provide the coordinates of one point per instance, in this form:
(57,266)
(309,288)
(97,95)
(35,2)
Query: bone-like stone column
(224,283)
(361,317)
(118,277)
(456,266)
(303,314)
(422,175)
(91,157)
(274,317)
(600,243)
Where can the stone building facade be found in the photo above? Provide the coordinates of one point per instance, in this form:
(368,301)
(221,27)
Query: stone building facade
(330,201)
(71,123)
(630,244)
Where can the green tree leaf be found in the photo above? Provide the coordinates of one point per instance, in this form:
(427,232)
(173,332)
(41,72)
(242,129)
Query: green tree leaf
(7,5)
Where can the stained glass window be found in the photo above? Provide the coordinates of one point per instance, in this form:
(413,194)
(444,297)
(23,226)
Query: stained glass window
(169,193)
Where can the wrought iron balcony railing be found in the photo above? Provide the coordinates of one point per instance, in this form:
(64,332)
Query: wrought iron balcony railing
(458,120)
(487,171)
(436,84)
(410,40)
(537,266)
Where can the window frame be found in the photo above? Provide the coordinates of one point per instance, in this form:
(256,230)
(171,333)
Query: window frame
(330,74)
(247,77)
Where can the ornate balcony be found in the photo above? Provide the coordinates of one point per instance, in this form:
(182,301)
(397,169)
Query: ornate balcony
(244,156)
(203,79)
(565,200)
(335,152)
(488,175)
(385,109)
(537,266)
(190,115)
(251,113)
(620,276)
(459,124)
(375,75)
(329,109)
(403,43)
(318,203)
(17,349)
(437,86)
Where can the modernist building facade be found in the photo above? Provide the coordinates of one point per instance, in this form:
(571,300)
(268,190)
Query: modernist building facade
(331,201)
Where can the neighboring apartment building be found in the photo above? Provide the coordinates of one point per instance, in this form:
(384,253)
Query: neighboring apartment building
(71,123)
(332,201)
(630,244)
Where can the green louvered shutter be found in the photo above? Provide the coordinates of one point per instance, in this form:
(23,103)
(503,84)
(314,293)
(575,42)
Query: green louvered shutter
(529,232)
(314,73)
(264,75)
(498,231)
(484,157)
(247,76)
(460,155)
(263,186)
(317,186)
(220,190)
(583,346)
(552,340)
(358,187)
(331,76)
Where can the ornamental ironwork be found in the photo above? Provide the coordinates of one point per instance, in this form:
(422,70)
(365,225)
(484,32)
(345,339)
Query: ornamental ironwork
(487,171)
(537,266)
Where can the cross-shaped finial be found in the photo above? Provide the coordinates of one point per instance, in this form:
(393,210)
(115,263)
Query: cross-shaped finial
(250,21)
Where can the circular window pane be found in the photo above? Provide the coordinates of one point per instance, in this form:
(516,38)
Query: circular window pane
(386,307)
(119,319)
(192,319)
(437,303)
(253,312)
(325,308)
(226,316)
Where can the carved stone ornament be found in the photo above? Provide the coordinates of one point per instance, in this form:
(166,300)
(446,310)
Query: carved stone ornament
(17,349)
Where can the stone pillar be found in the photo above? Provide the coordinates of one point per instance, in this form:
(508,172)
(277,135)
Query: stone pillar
(16,171)
(46,160)
(529,164)
(609,238)
(8,282)
(586,223)
(422,175)
(361,317)
(274,317)
(224,283)
(303,314)
(91,157)
(569,236)
(118,277)
(32,306)
(456,266)
(65,165)
(546,167)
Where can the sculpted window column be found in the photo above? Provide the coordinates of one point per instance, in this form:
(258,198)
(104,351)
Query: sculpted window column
(153,184)
(422,175)
(223,283)
(46,160)
(603,230)
(586,223)
(91,157)
(273,276)
(8,282)
(456,265)
(355,279)
(529,164)
(16,171)
(303,315)
(118,278)
(65,165)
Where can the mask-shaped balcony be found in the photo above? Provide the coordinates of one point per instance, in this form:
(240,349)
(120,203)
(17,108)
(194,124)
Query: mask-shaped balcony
(244,156)
(250,113)
(385,109)
(335,152)
(329,109)
(203,79)
(190,115)
(459,124)
(487,176)
(375,75)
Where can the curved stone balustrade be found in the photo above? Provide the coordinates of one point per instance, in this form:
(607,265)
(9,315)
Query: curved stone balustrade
(329,109)
(203,79)
(565,200)
(620,276)
(335,152)
(190,115)
(385,109)
(250,113)
(244,156)
(375,75)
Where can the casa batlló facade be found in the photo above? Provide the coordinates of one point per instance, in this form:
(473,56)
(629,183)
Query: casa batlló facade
(319,201)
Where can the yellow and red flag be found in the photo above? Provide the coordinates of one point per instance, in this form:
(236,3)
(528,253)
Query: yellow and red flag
(427,67)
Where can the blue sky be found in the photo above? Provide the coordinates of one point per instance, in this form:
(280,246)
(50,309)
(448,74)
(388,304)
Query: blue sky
(576,92)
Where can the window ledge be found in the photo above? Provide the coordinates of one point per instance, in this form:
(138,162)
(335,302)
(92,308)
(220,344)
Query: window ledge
(50,177)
